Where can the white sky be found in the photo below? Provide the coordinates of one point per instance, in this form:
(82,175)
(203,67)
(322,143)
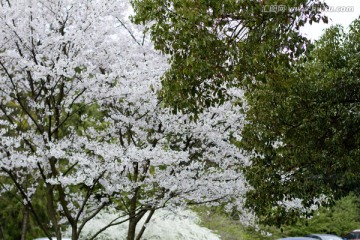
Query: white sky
(315,30)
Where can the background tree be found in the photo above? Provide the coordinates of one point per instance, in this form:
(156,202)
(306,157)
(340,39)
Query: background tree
(303,130)
(214,44)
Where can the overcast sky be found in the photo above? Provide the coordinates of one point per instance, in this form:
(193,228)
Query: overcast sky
(315,30)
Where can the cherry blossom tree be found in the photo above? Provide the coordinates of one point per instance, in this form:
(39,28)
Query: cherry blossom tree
(82,128)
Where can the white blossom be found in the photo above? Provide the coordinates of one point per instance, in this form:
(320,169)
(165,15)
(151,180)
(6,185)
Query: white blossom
(61,58)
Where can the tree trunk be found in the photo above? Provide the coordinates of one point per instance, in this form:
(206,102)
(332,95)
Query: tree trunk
(52,211)
(74,233)
(132,209)
(2,232)
(25,222)
(132,228)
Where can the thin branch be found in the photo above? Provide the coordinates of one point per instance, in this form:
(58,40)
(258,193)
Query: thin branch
(87,197)
(144,225)
(132,35)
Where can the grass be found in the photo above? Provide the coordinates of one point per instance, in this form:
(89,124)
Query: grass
(225,226)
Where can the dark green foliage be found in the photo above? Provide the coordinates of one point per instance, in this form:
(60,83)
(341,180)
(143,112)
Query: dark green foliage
(216,44)
(304,129)
(10,217)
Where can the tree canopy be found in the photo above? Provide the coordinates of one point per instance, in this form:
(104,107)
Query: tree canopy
(303,130)
(214,44)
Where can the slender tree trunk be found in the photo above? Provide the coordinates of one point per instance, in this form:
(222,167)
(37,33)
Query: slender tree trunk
(132,228)
(25,222)
(132,209)
(133,218)
(74,233)
(52,211)
(2,232)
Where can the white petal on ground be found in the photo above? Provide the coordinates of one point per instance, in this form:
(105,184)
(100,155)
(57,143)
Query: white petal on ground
(164,225)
